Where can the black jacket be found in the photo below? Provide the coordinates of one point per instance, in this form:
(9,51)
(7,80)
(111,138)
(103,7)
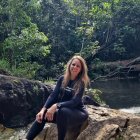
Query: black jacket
(66,97)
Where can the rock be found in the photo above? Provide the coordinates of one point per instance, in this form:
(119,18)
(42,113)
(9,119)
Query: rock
(20,100)
(50,132)
(87,100)
(110,124)
(103,124)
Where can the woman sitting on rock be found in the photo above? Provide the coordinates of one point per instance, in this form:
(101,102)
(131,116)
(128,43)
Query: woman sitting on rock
(64,106)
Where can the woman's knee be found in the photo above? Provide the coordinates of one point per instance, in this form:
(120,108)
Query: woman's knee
(86,115)
(63,111)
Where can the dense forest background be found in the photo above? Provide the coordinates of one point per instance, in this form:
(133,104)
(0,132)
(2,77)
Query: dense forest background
(37,37)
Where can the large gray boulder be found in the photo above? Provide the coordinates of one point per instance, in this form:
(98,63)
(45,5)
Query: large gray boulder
(20,100)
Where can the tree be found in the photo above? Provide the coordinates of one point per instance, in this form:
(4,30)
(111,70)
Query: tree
(21,39)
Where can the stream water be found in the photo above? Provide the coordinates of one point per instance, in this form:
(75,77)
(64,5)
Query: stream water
(121,94)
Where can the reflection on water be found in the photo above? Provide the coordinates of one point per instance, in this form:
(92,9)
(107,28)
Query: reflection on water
(120,94)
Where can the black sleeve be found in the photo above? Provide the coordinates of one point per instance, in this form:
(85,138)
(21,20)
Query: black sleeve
(54,95)
(76,99)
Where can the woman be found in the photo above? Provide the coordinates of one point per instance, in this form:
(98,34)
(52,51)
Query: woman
(64,106)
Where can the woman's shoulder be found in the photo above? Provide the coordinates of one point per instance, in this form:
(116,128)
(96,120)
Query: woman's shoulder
(61,78)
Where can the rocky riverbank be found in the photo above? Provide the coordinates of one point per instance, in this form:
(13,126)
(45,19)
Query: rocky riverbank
(103,124)
(20,100)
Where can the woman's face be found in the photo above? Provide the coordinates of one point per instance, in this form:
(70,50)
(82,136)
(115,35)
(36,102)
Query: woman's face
(75,68)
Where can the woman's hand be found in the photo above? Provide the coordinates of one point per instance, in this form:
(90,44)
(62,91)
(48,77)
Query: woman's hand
(50,112)
(39,116)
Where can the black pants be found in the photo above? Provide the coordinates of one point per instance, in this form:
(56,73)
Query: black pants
(64,118)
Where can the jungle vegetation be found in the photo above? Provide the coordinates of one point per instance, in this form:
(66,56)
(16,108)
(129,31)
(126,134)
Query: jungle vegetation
(37,37)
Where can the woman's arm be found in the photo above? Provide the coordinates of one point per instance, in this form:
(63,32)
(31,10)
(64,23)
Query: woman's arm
(54,95)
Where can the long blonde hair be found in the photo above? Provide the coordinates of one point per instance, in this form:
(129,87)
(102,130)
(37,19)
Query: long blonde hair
(82,76)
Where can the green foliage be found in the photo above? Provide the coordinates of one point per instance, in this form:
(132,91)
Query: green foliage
(25,70)
(90,50)
(96,94)
(118,49)
(49,32)
(4,65)
(21,40)
(36,89)
(50,81)
(28,43)
(99,68)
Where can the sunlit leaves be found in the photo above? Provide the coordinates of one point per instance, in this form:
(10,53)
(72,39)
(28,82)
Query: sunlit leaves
(45,50)
(118,48)
(90,50)
(28,42)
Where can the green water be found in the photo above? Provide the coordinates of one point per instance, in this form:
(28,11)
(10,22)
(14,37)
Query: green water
(120,94)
